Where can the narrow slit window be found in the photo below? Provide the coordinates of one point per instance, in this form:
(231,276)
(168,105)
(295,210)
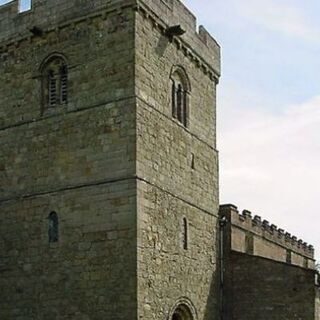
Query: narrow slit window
(192,161)
(53,227)
(185,234)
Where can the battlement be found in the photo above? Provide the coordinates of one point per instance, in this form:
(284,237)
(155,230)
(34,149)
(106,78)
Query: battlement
(174,12)
(48,15)
(266,239)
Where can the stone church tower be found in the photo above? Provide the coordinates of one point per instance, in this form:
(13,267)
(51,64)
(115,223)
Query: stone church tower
(108,162)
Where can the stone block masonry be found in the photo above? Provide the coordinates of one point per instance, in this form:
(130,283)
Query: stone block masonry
(266,272)
(317,314)
(89,273)
(109,187)
(108,204)
(258,237)
(177,167)
(77,160)
(50,15)
(270,290)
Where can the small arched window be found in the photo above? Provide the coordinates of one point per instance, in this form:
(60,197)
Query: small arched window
(185,234)
(53,227)
(54,74)
(180,91)
(182,312)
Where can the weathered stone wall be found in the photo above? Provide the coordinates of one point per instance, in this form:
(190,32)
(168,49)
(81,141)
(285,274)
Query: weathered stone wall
(317,309)
(92,138)
(259,238)
(89,274)
(166,271)
(77,160)
(200,42)
(123,175)
(100,57)
(169,188)
(112,163)
(48,15)
(267,274)
(264,289)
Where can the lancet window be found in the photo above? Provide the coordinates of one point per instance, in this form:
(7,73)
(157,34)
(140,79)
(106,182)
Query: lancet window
(180,94)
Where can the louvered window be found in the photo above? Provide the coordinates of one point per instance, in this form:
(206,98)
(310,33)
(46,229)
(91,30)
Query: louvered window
(52,89)
(55,82)
(63,84)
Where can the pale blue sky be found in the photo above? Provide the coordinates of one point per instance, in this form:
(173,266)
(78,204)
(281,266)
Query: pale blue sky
(263,47)
(268,107)
(25,4)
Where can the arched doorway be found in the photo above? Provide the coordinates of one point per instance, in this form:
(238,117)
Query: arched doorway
(182,312)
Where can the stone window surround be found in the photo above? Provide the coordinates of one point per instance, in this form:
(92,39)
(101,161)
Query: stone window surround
(60,78)
(180,95)
(186,307)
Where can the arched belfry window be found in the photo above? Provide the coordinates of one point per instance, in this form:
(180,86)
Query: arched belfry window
(54,73)
(53,227)
(180,91)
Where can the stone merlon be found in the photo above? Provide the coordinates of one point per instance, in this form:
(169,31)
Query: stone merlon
(262,229)
(47,15)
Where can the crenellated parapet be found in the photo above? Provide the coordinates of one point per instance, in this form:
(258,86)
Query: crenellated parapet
(265,238)
(196,43)
(46,16)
